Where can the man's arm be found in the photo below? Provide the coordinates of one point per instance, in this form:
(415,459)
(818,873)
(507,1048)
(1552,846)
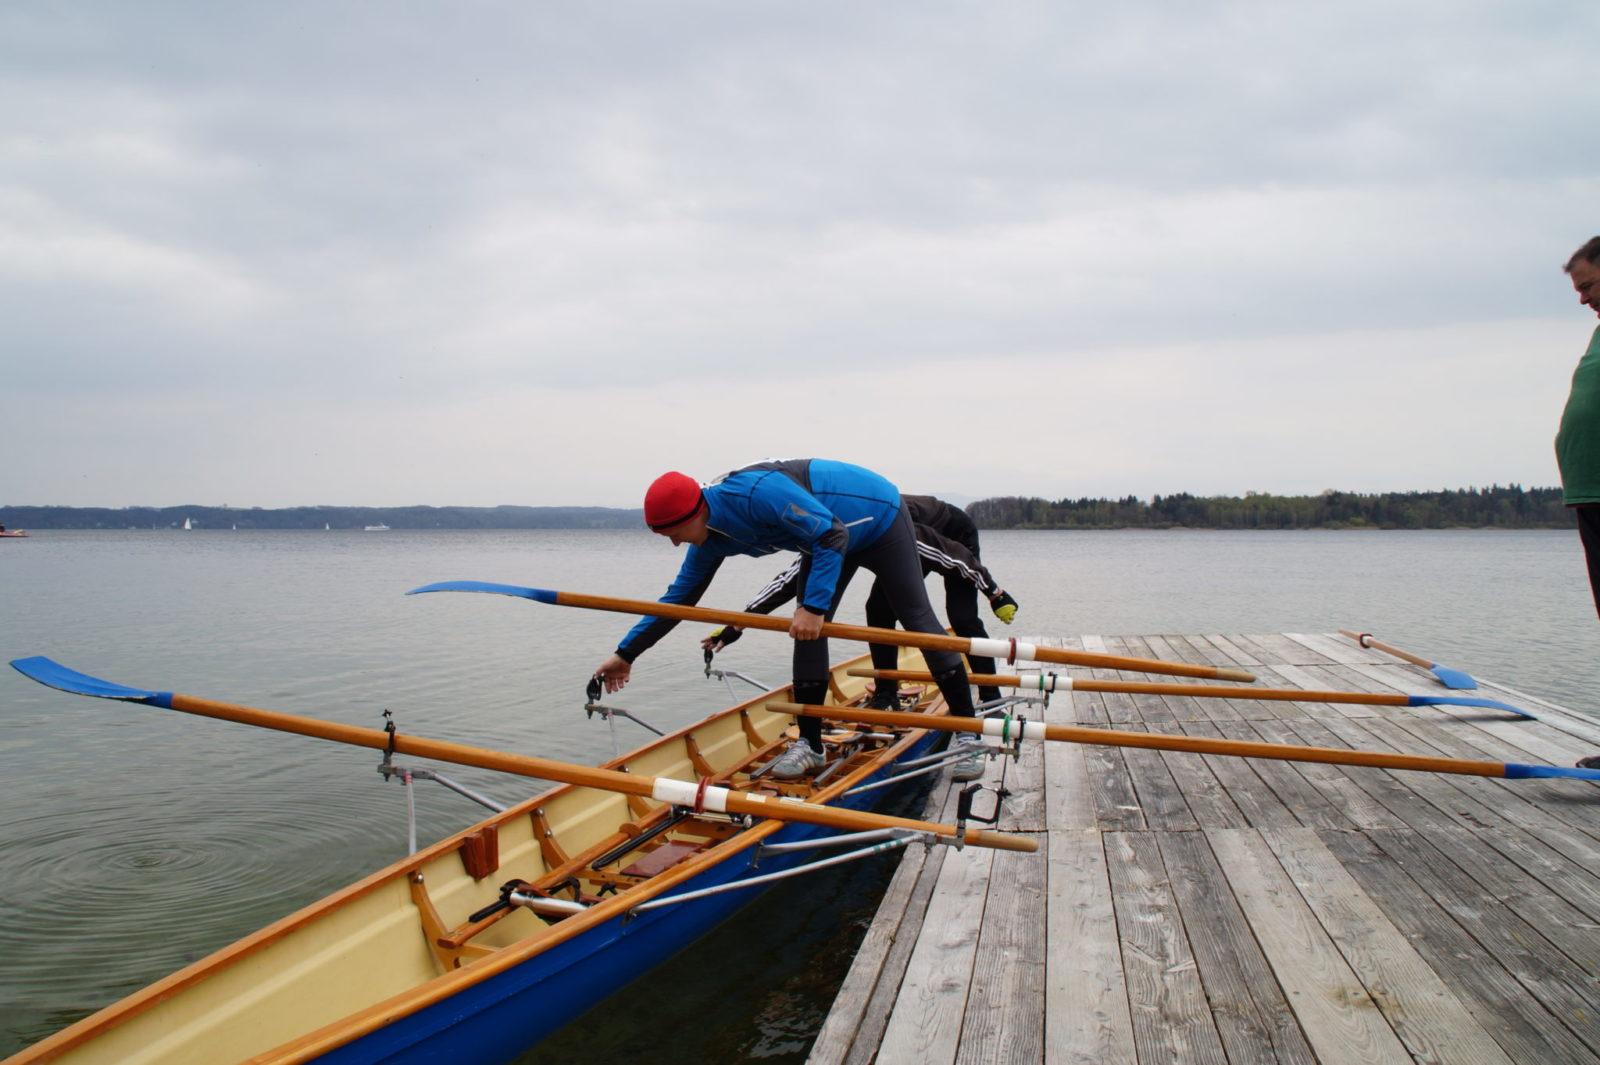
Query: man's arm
(694,576)
(777,592)
(949,558)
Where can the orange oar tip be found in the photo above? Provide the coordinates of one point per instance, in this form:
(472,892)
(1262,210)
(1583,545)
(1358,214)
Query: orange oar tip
(1002,841)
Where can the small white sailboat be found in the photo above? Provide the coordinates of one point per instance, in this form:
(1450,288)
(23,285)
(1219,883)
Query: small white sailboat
(187,524)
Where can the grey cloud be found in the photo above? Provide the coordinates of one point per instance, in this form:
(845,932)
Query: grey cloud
(408,204)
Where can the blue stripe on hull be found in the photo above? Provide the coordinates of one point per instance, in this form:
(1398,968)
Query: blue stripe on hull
(502,1017)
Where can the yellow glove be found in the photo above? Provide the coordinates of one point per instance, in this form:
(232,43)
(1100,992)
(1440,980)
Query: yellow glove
(721,636)
(1005,607)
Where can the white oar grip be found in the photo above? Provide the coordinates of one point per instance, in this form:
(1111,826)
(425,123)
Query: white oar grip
(1009,650)
(1044,682)
(1010,728)
(683,793)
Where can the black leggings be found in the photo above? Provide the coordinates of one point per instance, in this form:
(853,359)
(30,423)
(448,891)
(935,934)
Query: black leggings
(893,560)
(1589,533)
(961,607)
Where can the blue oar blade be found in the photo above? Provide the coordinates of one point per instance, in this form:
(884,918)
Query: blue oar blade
(1454,678)
(53,674)
(1466,700)
(538,595)
(1517,771)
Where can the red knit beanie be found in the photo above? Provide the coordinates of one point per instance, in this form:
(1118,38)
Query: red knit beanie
(672,499)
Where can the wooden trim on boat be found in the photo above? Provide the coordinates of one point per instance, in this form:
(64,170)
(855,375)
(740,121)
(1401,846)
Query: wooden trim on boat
(751,736)
(701,766)
(554,856)
(448,955)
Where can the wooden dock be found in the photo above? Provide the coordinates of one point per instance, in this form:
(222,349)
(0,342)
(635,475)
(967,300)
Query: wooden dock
(1196,908)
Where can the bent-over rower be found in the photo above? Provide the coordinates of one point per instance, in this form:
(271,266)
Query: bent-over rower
(840,518)
(947,544)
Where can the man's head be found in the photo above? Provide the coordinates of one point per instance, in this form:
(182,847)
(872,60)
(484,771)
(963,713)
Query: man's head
(675,507)
(1584,269)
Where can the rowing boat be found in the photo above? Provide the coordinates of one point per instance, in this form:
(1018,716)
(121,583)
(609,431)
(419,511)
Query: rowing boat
(478,946)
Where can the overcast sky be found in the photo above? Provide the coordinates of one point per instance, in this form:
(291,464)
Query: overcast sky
(536,253)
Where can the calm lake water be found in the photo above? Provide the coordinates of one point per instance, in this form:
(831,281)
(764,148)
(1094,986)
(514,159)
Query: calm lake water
(135,841)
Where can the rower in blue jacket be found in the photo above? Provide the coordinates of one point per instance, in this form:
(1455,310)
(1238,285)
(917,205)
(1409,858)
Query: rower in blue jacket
(840,518)
(947,543)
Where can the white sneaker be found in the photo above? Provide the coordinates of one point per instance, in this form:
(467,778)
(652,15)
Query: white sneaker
(970,765)
(801,758)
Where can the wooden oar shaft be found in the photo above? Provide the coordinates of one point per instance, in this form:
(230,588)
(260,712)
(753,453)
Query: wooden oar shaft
(900,638)
(1134,687)
(662,788)
(1153,741)
(1365,640)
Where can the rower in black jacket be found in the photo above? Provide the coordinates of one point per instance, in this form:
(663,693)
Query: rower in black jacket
(947,544)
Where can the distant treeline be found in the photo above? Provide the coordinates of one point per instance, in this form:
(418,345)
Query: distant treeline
(318,517)
(1511,507)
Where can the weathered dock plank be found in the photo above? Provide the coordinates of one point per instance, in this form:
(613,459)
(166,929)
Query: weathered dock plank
(1340,1020)
(1253,1018)
(1207,908)
(1171,1021)
(1087,1021)
(1452,940)
(1420,1008)
(1004,1018)
(925,1025)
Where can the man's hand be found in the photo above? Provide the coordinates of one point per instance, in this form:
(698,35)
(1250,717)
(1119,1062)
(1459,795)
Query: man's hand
(1005,607)
(721,637)
(614,672)
(806,625)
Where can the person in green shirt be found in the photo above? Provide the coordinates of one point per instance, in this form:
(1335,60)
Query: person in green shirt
(1578,440)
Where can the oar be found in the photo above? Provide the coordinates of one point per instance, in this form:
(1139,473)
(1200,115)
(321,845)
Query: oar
(1008,728)
(1060,682)
(678,792)
(1450,678)
(1009,650)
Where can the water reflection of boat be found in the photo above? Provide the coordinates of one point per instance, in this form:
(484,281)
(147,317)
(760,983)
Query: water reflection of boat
(380,527)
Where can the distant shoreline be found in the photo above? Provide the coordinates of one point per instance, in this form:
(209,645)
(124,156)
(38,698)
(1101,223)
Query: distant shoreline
(319,518)
(1495,507)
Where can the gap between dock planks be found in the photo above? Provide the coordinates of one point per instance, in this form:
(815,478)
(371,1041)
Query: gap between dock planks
(1194,908)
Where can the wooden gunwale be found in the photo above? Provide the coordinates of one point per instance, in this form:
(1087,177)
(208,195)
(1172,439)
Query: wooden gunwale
(363,1021)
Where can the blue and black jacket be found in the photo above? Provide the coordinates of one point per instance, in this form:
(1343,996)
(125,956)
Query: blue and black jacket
(818,507)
